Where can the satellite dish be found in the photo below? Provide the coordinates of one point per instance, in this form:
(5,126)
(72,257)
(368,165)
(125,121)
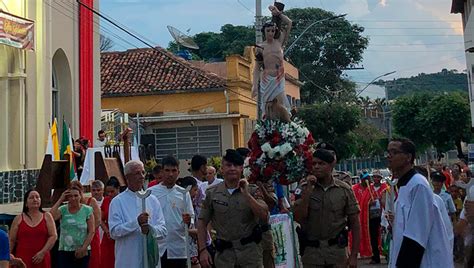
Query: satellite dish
(181,38)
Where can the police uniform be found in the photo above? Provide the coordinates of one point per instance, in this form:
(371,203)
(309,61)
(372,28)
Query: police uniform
(235,223)
(325,227)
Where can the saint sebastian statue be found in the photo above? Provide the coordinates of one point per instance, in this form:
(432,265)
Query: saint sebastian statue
(270,69)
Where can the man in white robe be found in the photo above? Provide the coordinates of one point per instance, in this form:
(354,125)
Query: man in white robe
(420,237)
(177,212)
(128,224)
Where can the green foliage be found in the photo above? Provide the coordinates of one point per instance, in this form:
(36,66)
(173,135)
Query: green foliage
(231,40)
(440,120)
(216,162)
(444,81)
(333,123)
(322,54)
(367,140)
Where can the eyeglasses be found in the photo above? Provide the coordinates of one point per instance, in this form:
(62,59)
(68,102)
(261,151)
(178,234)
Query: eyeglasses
(390,153)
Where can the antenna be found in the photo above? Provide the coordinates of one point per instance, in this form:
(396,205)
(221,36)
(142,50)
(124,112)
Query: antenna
(181,38)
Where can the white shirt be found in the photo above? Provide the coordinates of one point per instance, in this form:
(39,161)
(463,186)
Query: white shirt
(446,220)
(417,217)
(99,143)
(125,230)
(448,201)
(206,184)
(173,206)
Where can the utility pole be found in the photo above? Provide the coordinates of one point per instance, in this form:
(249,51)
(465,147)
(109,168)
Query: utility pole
(258,40)
(258,21)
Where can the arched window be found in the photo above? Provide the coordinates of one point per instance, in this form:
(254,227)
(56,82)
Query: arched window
(54,96)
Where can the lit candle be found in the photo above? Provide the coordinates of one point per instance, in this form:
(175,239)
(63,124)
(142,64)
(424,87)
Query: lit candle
(126,118)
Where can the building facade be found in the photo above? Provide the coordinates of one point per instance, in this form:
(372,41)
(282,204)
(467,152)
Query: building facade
(465,7)
(43,83)
(185,108)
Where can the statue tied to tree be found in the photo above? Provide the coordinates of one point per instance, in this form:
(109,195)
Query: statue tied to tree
(269,67)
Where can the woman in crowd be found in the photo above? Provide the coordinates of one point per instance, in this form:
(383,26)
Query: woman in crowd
(77,229)
(112,189)
(94,261)
(185,182)
(33,233)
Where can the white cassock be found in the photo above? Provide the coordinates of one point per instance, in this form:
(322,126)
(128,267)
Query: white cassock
(440,204)
(173,206)
(417,217)
(125,230)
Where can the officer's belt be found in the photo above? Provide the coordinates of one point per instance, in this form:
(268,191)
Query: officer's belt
(317,243)
(221,245)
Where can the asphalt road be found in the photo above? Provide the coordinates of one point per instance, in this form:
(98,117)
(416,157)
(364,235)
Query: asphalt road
(364,264)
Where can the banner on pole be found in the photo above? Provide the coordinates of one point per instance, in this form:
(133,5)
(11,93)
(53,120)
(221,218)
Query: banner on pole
(16,31)
(284,241)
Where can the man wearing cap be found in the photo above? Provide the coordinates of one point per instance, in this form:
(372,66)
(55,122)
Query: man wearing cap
(327,206)
(234,213)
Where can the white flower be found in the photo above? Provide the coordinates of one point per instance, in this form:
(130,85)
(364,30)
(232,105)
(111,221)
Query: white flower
(273,152)
(306,132)
(285,148)
(266,147)
(247,172)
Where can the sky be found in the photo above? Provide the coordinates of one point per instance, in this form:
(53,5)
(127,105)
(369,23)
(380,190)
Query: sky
(406,36)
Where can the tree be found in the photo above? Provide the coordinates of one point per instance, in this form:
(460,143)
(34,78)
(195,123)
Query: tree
(440,120)
(324,52)
(368,141)
(216,46)
(106,44)
(321,54)
(332,122)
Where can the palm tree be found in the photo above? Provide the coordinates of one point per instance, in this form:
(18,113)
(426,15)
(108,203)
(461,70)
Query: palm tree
(365,103)
(379,104)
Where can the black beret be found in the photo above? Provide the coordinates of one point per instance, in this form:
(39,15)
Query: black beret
(438,177)
(326,146)
(244,152)
(325,155)
(234,157)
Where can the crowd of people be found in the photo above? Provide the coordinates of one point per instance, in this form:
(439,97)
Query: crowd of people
(224,222)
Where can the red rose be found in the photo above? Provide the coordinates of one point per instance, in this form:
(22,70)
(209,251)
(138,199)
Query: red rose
(256,152)
(309,139)
(283,181)
(275,139)
(268,171)
(253,142)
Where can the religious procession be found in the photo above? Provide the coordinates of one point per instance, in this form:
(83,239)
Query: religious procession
(261,169)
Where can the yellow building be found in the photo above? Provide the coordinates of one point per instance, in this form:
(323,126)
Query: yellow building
(38,83)
(185,108)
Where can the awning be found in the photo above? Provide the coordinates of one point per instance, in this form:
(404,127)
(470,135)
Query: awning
(16,31)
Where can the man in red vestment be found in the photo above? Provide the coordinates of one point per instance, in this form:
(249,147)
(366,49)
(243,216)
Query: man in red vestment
(375,213)
(363,194)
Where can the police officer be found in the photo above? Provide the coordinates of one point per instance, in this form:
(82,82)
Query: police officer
(234,213)
(327,206)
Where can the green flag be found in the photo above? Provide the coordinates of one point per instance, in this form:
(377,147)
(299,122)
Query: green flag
(65,141)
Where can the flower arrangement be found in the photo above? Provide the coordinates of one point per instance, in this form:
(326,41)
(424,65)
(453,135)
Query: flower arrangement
(280,151)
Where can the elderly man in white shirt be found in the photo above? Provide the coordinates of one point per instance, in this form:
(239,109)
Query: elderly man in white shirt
(177,210)
(127,222)
(211,178)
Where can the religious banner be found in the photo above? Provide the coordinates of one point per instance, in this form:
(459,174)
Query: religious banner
(16,32)
(284,241)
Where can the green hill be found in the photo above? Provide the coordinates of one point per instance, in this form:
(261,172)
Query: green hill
(444,81)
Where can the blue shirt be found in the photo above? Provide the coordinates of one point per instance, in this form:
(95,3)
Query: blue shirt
(4,246)
(280,194)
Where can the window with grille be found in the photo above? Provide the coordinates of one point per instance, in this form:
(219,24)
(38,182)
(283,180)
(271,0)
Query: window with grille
(185,142)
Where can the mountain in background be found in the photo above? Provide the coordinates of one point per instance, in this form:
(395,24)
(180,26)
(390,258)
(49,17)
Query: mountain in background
(444,81)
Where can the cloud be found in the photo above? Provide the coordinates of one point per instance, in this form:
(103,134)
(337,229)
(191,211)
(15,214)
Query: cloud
(409,36)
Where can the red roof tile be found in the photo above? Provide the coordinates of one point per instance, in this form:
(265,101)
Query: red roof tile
(147,71)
